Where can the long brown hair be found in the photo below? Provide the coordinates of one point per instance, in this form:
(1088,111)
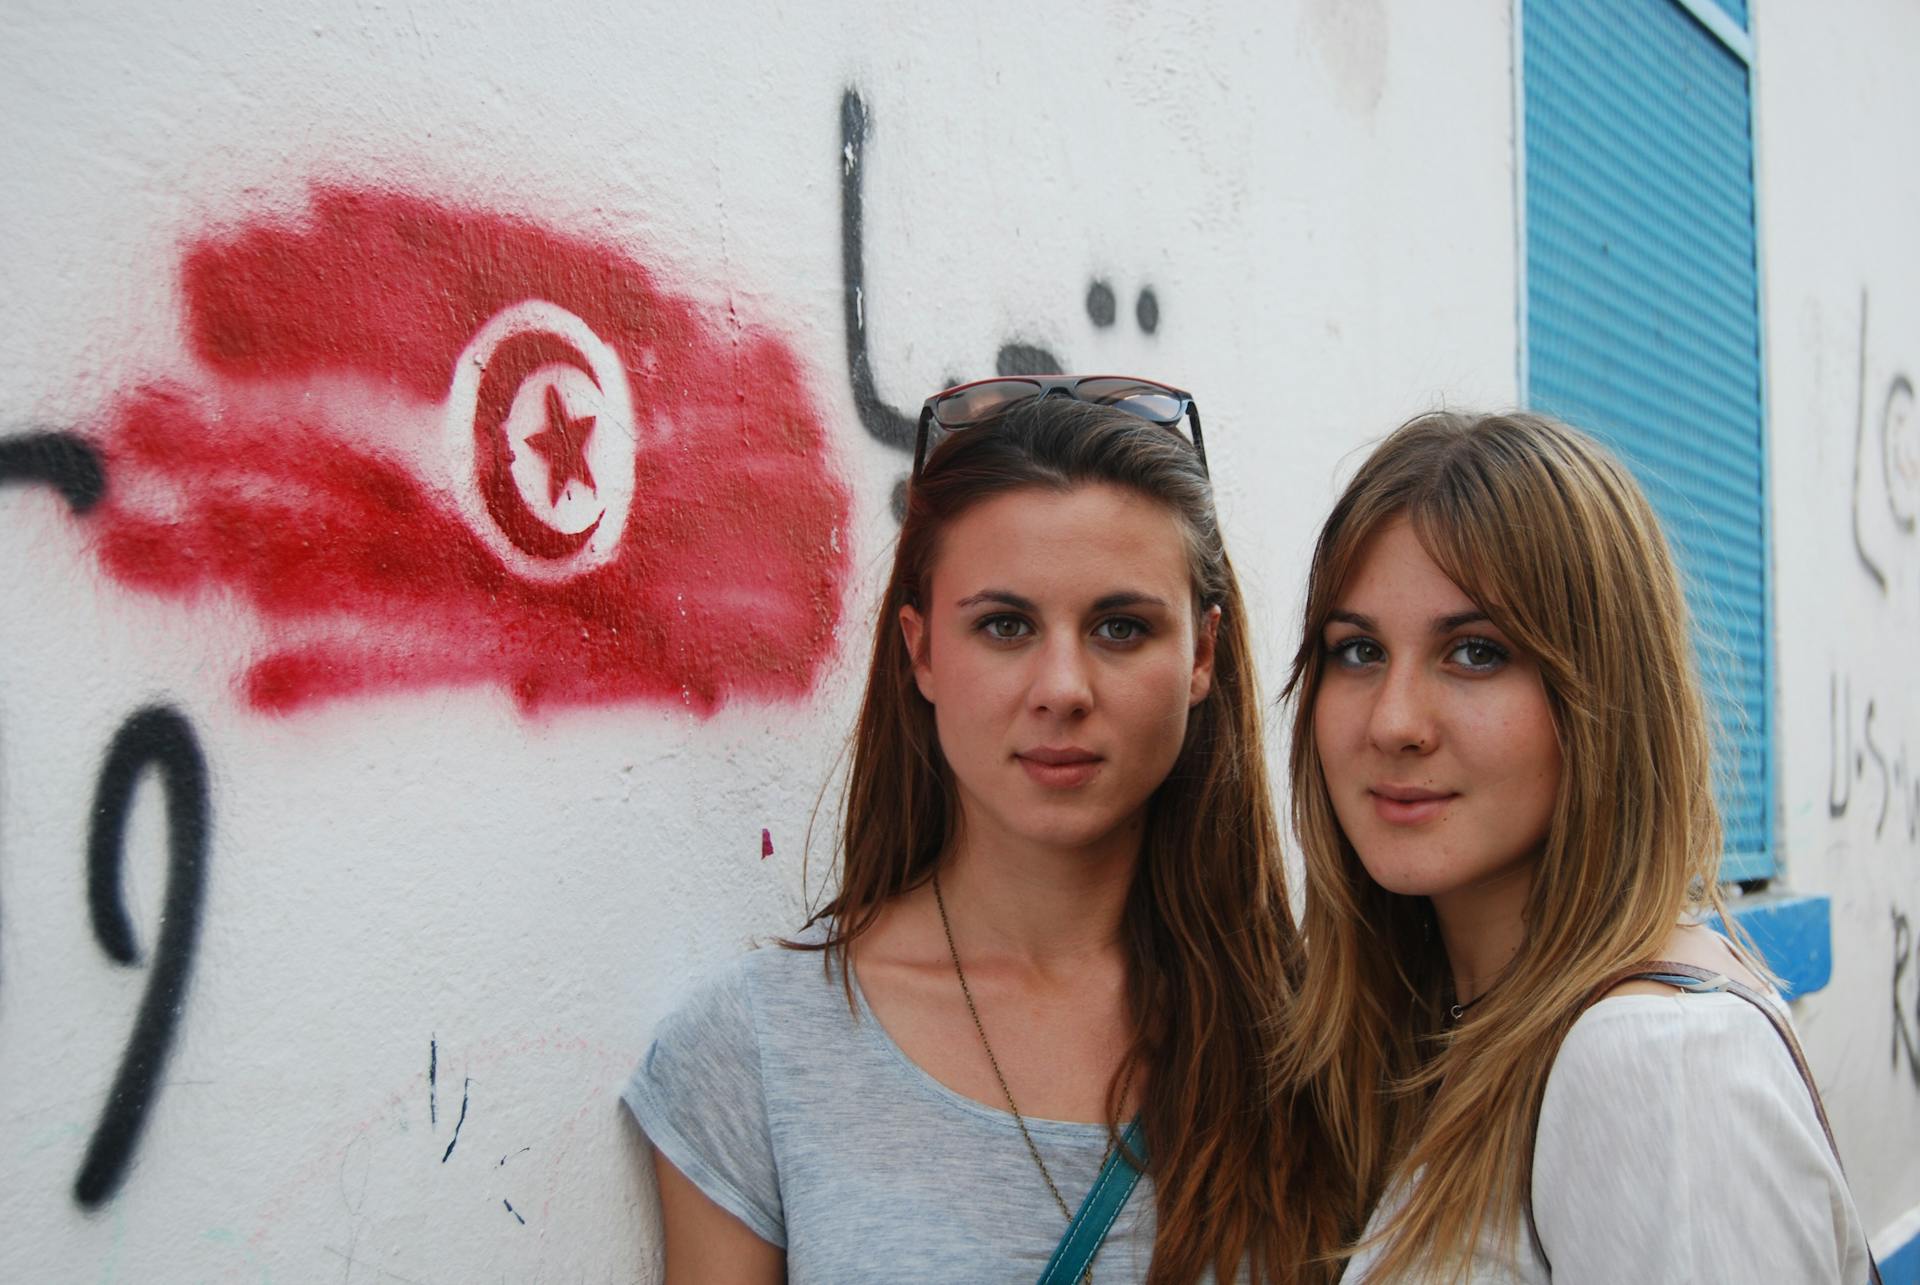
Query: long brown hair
(1549,535)
(1212,950)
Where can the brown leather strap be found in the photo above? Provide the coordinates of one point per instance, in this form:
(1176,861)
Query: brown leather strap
(1721,982)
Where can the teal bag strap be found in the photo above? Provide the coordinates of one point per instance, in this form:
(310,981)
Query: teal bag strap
(1103,1204)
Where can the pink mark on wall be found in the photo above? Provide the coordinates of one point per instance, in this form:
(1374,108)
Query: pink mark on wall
(431,445)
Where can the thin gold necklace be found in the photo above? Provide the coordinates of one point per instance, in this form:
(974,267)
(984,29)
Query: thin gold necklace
(966,993)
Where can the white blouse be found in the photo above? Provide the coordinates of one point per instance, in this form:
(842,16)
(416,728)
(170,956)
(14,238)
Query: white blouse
(1677,1143)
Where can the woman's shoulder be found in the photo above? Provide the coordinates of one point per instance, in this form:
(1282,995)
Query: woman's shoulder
(774,975)
(1713,1027)
(742,1019)
(1676,1131)
(1629,1035)
(1729,1026)
(705,1088)
(1677,1083)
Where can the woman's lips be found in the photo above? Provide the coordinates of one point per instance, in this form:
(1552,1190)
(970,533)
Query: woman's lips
(1059,769)
(1397,806)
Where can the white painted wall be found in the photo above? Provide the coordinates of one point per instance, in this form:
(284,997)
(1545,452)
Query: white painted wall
(1840,197)
(1319,196)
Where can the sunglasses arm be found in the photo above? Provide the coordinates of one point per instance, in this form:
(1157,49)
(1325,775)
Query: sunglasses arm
(1199,446)
(920,440)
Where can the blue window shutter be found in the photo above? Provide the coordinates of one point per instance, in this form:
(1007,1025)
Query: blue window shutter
(1642,322)
(1735,9)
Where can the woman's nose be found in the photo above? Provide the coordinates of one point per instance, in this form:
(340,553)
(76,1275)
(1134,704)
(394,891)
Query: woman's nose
(1402,718)
(1062,683)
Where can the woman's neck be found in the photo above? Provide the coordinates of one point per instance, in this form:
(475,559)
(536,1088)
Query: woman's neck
(1035,907)
(1482,928)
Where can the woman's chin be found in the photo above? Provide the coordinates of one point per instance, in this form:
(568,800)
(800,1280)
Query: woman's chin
(1071,829)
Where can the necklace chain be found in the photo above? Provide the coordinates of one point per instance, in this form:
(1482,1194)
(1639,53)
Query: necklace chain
(966,993)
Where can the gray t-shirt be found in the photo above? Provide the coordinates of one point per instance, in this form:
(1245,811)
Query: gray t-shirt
(806,1121)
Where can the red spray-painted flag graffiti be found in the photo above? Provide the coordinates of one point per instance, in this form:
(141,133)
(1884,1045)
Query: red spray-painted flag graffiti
(430,445)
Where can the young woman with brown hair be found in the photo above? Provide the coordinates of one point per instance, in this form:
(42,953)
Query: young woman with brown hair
(1059,906)
(1501,778)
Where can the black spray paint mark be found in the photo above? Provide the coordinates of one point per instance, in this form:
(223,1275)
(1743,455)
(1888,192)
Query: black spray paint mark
(1880,763)
(1859,437)
(883,423)
(1026,359)
(1896,409)
(1903,1036)
(510,1155)
(1101,308)
(1899,393)
(160,738)
(465,1085)
(433,1081)
(1863,760)
(1147,310)
(63,461)
(514,1212)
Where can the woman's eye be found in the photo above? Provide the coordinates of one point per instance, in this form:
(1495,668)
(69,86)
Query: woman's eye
(1120,629)
(1005,628)
(1478,654)
(1356,652)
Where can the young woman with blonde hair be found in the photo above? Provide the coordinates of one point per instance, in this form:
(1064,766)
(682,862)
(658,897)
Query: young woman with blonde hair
(1502,785)
(1059,906)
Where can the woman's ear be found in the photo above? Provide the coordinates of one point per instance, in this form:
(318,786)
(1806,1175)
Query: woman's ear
(913,631)
(1204,639)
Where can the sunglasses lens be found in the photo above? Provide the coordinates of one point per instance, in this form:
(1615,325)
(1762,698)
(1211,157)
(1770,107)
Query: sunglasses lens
(1153,402)
(982,402)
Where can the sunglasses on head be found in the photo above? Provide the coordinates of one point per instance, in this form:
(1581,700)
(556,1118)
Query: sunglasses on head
(968,405)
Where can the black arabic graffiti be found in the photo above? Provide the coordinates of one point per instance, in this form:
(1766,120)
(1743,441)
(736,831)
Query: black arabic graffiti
(1854,747)
(1904,1044)
(158,739)
(1899,460)
(882,422)
(67,463)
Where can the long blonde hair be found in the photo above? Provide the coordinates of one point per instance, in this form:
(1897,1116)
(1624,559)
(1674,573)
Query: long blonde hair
(1549,535)
(1213,954)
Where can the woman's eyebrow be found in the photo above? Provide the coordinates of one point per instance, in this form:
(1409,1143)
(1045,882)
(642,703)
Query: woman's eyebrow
(999,597)
(1441,624)
(1111,602)
(1128,598)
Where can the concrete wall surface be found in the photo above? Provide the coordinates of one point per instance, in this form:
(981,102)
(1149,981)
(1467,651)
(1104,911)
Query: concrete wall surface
(1835,109)
(382,746)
